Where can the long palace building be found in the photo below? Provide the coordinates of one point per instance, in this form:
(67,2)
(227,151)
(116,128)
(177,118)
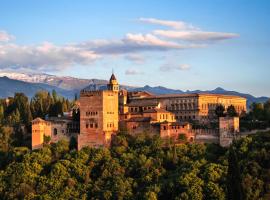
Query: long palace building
(186,107)
(105,112)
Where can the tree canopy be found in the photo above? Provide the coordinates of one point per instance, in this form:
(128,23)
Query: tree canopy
(140,168)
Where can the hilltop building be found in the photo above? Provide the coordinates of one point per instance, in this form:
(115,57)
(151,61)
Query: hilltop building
(98,115)
(56,128)
(228,130)
(105,112)
(186,107)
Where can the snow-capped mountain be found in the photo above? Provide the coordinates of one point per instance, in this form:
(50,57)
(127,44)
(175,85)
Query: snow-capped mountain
(63,82)
(27,77)
(67,86)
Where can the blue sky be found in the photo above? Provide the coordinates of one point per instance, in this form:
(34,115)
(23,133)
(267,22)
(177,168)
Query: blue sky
(184,45)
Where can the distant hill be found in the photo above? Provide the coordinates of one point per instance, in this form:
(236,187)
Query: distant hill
(158,90)
(9,86)
(30,83)
(63,82)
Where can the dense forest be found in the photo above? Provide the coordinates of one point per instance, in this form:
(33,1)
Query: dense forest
(16,114)
(134,167)
(140,168)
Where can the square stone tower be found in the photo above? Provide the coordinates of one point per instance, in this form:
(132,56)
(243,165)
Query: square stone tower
(40,128)
(98,115)
(228,130)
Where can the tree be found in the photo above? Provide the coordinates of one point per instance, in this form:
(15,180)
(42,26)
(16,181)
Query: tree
(46,139)
(231,112)
(182,137)
(21,103)
(233,178)
(1,113)
(40,104)
(56,109)
(64,105)
(5,138)
(15,118)
(267,110)
(54,96)
(257,111)
(220,111)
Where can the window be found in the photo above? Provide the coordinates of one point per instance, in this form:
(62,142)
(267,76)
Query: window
(55,131)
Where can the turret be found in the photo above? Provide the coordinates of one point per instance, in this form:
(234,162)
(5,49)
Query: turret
(113,84)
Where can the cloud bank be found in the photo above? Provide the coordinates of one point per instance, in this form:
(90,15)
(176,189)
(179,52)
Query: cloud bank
(50,57)
(172,24)
(195,35)
(5,37)
(46,57)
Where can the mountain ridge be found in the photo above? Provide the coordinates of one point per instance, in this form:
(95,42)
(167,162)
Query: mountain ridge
(68,86)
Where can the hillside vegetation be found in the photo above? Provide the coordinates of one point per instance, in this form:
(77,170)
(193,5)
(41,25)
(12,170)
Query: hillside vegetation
(139,168)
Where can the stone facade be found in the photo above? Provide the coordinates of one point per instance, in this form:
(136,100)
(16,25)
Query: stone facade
(148,118)
(56,128)
(103,113)
(174,130)
(228,130)
(98,116)
(188,107)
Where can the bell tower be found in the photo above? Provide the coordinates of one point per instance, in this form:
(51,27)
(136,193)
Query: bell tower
(113,84)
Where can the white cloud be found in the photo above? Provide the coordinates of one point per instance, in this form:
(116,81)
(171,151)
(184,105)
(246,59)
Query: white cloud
(173,24)
(133,72)
(172,67)
(5,37)
(132,43)
(186,31)
(48,56)
(195,35)
(43,57)
(149,40)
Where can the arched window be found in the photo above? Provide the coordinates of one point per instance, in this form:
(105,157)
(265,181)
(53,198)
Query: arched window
(55,131)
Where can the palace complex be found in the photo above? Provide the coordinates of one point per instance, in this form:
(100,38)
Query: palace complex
(106,112)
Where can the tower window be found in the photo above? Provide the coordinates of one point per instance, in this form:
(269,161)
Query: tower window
(55,131)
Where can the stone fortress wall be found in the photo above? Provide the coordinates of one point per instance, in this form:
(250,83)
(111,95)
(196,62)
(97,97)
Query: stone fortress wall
(103,113)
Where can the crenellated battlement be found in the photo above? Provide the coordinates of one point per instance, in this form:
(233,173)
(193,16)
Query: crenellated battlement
(88,93)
